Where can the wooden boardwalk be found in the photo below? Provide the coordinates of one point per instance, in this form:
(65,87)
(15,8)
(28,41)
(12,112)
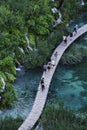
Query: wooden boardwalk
(41,96)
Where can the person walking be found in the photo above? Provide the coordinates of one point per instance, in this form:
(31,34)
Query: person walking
(53,62)
(71,35)
(65,39)
(55,54)
(45,68)
(42,83)
(49,66)
(75,28)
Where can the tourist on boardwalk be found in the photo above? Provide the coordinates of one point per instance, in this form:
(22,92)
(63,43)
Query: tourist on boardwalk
(42,86)
(55,54)
(42,83)
(45,68)
(76,28)
(71,35)
(65,39)
(49,66)
(53,62)
(49,62)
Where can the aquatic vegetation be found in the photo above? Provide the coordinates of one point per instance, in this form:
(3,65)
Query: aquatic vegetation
(75,54)
(61,118)
(10,123)
(84,93)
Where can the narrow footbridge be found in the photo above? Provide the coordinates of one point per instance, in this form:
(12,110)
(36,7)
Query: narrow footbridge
(41,96)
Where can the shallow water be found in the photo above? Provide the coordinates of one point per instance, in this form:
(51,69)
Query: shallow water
(26,86)
(69,85)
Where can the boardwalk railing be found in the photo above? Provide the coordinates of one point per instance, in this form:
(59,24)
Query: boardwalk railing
(41,96)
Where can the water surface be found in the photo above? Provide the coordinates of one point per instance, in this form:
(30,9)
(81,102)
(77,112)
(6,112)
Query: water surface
(26,85)
(69,84)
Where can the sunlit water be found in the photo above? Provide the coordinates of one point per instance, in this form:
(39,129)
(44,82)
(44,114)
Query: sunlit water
(69,84)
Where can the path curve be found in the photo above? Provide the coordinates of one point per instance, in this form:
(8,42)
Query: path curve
(41,96)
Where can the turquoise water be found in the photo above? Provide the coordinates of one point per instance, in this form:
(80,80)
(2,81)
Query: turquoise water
(26,86)
(69,84)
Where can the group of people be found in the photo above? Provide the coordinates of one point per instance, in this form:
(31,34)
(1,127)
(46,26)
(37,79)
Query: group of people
(71,34)
(47,67)
(51,63)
